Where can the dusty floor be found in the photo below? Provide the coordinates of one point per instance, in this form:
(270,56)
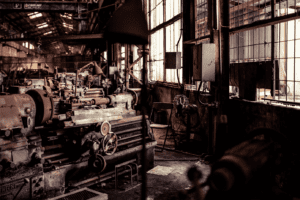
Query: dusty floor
(161,186)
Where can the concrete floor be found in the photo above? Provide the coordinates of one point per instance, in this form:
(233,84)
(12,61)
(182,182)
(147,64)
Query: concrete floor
(160,186)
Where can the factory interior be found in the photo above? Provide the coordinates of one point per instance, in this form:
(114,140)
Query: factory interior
(149,99)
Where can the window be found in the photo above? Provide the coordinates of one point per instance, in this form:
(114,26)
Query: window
(156,13)
(255,45)
(70,26)
(34,15)
(48,33)
(157,42)
(157,56)
(31,46)
(42,25)
(173,37)
(66,15)
(201,14)
(173,8)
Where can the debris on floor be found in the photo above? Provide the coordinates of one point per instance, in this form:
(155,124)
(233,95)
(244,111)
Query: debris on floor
(161,170)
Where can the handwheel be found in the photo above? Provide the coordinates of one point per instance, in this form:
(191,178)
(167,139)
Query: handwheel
(109,144)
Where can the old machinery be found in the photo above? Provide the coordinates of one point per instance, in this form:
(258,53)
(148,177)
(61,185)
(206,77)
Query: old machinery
(260,167)
(65,130)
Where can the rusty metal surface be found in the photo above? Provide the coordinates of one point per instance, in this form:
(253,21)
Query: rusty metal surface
(43,103)
(8,144)
(22,171)
(12,108)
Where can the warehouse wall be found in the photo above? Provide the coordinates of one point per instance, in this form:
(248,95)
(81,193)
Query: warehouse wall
(246,116)
(32,62)
(12,50)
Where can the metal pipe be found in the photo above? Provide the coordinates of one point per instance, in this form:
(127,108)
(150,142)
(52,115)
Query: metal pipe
(129,130)
(95,101)
(57,146)
(144,99)
(93,92)
(126,138)
(76,82)
(181,30)
(132,141)
(52,155)
(177,151)
(59,160)
(273,48)
(102,178)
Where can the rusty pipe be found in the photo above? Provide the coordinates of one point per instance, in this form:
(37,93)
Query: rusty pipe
(57,146)
(52,155)
(95,101)
(59,160)
(100,178)
(101,101)
(76,82)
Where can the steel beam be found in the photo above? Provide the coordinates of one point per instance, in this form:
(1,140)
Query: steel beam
(42,6)
(164,42)
(167,23)
(188,34)
(64,37)
(264,23)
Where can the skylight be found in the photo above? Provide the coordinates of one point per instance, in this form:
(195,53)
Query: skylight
(67,15)
(48,33)
(31,46)
(42,25)
(67,25)
(34,15)
(28,45)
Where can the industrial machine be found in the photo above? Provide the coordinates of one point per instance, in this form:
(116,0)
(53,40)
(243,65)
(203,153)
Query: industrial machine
(264,166)
(62,131)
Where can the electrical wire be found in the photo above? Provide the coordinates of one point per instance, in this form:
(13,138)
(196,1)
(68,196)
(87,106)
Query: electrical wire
(198,92)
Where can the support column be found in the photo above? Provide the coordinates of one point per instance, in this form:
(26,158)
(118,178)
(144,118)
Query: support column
(273,3)
(126,66)
(188,34)
(223,82)
(164,43)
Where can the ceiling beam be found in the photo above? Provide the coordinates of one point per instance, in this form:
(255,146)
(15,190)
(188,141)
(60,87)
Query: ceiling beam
(64,37)
(244,5)
(58,29)
(43,6)
(264,23)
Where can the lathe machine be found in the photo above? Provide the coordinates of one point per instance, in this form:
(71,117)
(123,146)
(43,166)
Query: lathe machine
(62,131)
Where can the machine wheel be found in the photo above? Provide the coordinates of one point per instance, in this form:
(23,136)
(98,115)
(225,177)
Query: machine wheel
(105,128)
(109,144)
(43,104)
(97,162)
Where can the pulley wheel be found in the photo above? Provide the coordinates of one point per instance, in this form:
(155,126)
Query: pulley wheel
(44,107)
(97,162)
(109,144)
(135,97)
(105,128)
